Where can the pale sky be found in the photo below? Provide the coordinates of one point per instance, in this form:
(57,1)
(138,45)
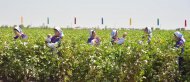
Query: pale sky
(116,13)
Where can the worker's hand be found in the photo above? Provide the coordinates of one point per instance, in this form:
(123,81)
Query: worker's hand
(52,45)
(48,40)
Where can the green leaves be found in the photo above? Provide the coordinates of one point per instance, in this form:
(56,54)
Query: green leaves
(77,61)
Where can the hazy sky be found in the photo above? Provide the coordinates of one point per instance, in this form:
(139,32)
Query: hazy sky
(116,13)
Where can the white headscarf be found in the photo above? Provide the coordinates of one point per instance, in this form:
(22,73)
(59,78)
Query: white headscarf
(18,29)
(179,35)
(91,32)
(149,30)
(114,32)
(60,31)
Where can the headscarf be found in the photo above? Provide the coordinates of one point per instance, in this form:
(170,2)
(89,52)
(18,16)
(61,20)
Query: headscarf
(179,35)
(149,30)
(91,31)
(60,31)
(114,32)
(18,29)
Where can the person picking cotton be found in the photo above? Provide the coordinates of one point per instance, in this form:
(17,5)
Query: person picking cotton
(148,34)
(55,41)
(180,43)
(18,33)
(115,39)
(93,39)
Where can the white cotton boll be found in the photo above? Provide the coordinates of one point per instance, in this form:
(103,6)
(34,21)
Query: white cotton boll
(25,43)
(140,42)
(129,47)
(36,46)
(174,49)
(144,51)
(5,43)
(44,46)
(146,61)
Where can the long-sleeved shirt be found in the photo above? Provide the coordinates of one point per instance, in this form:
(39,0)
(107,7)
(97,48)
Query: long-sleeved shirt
(179,44)
(91,38)
(53,42)
(23,36)
(55,39)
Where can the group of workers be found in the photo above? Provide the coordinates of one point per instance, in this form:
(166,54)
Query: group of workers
(54,41)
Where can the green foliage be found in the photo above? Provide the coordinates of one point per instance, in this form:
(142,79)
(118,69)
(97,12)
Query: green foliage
(76,61)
